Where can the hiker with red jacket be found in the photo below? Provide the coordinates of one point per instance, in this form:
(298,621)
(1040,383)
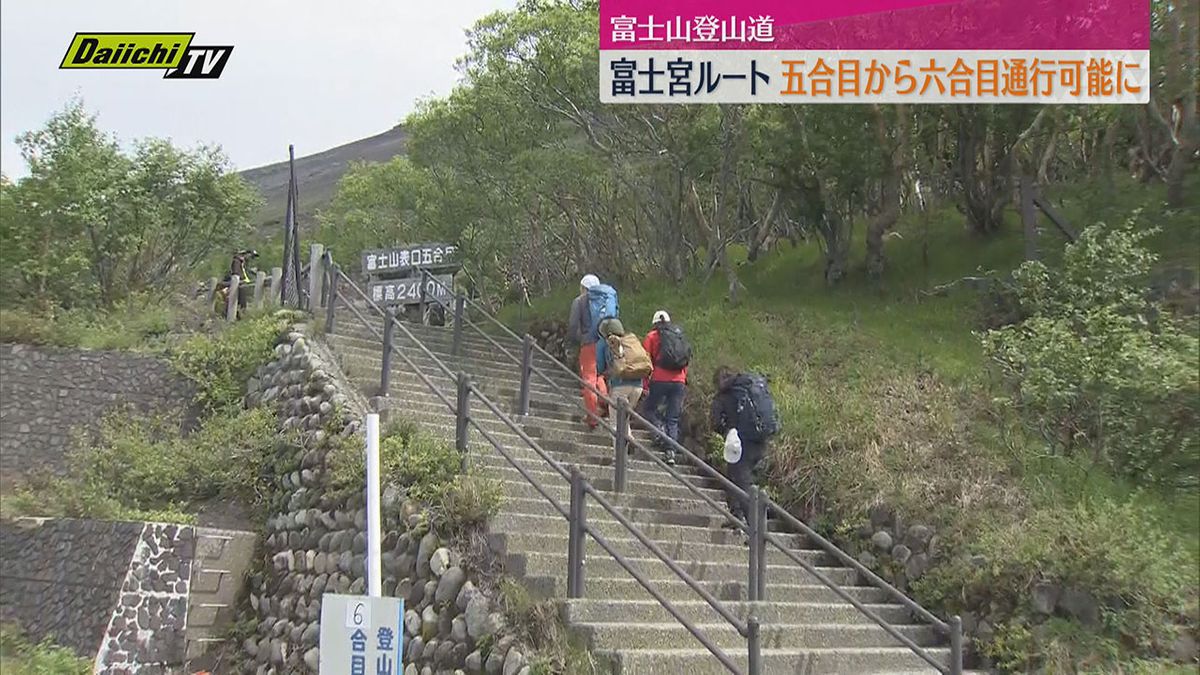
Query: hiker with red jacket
(669,352)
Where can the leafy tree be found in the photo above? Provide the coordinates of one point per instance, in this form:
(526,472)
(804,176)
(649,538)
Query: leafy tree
(537,181)
(1096,366)
(92,224)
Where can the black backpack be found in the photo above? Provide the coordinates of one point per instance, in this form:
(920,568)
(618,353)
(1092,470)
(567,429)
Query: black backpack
(756,416)
(674,352)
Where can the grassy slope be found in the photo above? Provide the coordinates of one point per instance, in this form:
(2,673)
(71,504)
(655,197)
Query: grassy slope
(884,393)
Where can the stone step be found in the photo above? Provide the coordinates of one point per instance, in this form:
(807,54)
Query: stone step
(486,358)
(596,446)
(697,660)
(483,454)
(416,403)
(632,636)
(639,482)
(530,531)
(538,506)
(369,360)
(442,336)
(640,473)
(506,521)
(522,490)
(555,562)
(699,611)
(520,542)
(590,455)
(626,587)
(366,365)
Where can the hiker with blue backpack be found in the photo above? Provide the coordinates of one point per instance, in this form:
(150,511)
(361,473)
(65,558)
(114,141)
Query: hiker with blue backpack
(670,353)
(595,303)
(744,413)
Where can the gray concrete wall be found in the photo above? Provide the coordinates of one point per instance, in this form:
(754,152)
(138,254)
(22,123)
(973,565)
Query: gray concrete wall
(60,578)
(46,392)
(100,587)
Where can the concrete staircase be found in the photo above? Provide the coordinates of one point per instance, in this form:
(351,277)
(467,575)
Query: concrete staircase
(806,628)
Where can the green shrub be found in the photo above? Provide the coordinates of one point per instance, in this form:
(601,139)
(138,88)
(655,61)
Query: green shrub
(141,469)
(1097,366)
(466,503)
(413,460)
(137,322)
(538,625)
(20,657)
(1114,550)
(219,365)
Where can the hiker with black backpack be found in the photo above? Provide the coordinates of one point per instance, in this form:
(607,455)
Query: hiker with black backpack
(595,302)
(669,353)
(744,413)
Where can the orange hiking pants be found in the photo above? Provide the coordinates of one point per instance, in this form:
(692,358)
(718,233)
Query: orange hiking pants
(587,371)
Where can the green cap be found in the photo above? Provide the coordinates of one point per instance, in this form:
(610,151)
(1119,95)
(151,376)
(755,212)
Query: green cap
(611,327)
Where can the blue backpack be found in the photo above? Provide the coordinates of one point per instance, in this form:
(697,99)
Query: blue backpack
(602,304)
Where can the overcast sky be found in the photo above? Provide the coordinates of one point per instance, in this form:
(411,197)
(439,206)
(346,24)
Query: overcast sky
(313,73)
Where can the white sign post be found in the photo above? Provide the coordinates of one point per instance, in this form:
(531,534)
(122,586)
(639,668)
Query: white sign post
(374,530)
(365,634)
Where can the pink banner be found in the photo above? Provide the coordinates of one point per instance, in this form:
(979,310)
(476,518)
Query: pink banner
(875,24)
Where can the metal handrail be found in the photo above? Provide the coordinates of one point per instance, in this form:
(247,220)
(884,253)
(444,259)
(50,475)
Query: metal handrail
(499,447)
(953,629)
(416,369)
(857,566)
(516,428)
(761,505)
(398,324)
(612,431)
(487,314)
(748,629)
(744,628)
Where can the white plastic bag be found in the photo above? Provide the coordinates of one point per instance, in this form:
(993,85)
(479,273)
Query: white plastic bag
(733,447)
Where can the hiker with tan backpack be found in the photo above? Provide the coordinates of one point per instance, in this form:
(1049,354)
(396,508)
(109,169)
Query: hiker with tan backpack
(623,361)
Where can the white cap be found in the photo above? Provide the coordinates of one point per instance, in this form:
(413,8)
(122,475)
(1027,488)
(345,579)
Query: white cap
(589,280)
(661,316)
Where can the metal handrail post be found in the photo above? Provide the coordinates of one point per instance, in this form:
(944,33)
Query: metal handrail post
(956,645)
(460,303)
(526,373)
(326,276)
(462,414)
(385,371)
(755,537)
(331,300)
(753,647)
(575,541)
(620,445)
(424,298)
(760,514)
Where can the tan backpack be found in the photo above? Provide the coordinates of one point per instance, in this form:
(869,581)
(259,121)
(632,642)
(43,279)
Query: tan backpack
(628,360)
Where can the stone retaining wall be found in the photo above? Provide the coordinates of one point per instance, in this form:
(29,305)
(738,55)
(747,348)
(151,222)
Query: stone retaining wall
(46,392)
(316,544)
